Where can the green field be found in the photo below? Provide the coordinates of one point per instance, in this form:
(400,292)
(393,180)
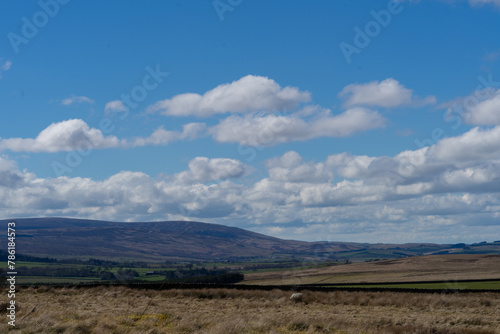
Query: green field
(40,264)
(54,279)
(261,267)
(47,279)
(140,270)
(329,274)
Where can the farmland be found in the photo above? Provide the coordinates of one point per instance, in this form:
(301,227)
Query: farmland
(444,268)
(60,272)
(445,271)
(253,309)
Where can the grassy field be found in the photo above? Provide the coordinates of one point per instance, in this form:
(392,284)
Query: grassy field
(274,267)
(446,268)
(53,279)
(46,279)
(124,310)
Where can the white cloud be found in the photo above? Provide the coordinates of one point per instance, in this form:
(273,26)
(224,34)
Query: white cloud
(485,112)
(350,166)
(163,137)
(388,93)
(67,135)
(291,168)
(446,187)
(475,144)
(258,96)
(9,173)
(75,134)
(467,163)
(250,93)
(76,99)
(115,105)
(264,130)
(125,195)
(202,169)
(439,192)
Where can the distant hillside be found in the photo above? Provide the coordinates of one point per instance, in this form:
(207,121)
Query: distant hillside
(450,268)
(183,240)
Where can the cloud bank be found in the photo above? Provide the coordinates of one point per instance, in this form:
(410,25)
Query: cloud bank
(440,192)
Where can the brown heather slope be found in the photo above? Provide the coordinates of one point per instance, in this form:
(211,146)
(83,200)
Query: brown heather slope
(420,268)
(155,241)
(196,241)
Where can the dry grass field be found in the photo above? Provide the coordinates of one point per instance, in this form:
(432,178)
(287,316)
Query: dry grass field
(421,268)
(123,310)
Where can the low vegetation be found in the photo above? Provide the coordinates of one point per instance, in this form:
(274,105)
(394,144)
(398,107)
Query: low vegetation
(125,310)
(444,268)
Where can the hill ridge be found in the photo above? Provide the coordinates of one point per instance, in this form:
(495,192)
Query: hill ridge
(61,237)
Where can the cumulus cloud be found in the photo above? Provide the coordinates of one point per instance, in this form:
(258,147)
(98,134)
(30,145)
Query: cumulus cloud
(475,144)
(9,173)
(374,194)
(75,134)
(163,137)
(126,195)
(265,130)
(467,163)
(441,187)
(67,135)
(76,99)
(202,169)
(291,168)
(114,106)
(486,112)
(388,93)
(260,99)
(449,186)
(250,93)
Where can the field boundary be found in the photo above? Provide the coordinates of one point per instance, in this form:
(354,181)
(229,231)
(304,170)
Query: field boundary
(300,287)
(405,282)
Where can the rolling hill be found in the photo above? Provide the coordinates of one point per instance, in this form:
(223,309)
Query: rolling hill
(186,240)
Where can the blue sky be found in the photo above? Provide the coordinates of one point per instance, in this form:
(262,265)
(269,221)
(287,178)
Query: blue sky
(369,121)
